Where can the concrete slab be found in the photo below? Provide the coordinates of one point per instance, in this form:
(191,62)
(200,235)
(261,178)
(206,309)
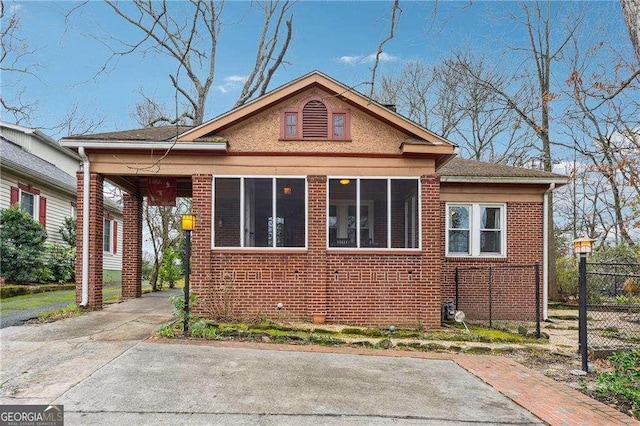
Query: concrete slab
(39,362)
(152,383)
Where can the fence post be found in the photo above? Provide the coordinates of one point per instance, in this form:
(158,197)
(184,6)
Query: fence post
(582,294)
(457,291)
(490,298)
(537,280)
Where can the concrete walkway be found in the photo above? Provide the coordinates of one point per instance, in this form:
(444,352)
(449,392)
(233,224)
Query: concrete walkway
(103,371)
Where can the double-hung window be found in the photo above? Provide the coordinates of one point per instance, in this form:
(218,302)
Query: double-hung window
(266,212)
(28,204)
(109,236)
(374,213)
(476,229)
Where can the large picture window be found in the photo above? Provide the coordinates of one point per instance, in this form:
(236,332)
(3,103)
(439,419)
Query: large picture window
(264,212)
(373,213)
(476,230)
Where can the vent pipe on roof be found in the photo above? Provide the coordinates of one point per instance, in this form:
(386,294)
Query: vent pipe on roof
(392,107)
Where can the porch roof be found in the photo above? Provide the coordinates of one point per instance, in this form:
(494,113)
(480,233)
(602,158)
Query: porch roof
(470,171)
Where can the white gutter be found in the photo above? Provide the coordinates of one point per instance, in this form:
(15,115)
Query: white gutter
(545,252)
(501,179)
(85,225)
(175,146)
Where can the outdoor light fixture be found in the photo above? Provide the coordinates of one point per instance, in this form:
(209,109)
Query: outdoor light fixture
(582,246)
(286,190)
(344,181)
(188,225)
(188,222)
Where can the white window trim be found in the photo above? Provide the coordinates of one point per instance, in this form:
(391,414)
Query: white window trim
(388,248)
(474,230)
(36,203)
(110,251)
(242,213)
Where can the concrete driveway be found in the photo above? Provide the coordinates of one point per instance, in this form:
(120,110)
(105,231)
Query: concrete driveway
(101,370)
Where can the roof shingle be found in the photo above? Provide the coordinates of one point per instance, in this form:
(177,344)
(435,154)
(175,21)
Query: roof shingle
(459,167)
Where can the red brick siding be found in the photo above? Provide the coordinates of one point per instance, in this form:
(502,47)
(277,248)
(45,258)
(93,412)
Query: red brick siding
(201,277)
(96,225)
(132,250)
(513,289)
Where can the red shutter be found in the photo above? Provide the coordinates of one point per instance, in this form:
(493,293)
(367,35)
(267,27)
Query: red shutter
(15,195)
(42,214)
(315,123)
(115,237)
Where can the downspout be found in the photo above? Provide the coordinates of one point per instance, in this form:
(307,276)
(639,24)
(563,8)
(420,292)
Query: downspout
(85,226)
(545,252)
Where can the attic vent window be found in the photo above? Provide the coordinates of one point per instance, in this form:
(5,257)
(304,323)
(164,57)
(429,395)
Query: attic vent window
(316,120)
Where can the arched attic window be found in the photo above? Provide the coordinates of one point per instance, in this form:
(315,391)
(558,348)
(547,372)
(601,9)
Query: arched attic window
(314,120)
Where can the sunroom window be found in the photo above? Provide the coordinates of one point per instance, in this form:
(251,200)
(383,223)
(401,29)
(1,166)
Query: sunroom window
(373,213)
(263,212)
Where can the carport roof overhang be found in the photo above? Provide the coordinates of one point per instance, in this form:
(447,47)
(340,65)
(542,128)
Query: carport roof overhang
(136,183)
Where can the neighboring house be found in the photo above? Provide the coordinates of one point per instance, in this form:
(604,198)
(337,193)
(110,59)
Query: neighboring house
(40,175)
(313,199)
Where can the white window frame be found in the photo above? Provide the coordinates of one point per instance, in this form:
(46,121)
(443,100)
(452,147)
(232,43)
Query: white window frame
(273,207)
(110,251)
(36,203)
(370,203)
(475,216)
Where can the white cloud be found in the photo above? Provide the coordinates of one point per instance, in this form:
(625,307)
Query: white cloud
(368,59)
(232,82)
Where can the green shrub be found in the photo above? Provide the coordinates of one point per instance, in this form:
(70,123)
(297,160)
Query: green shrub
(21,246)
(623,384)
(68,231)
(567,277)
(60,266)
(171,268)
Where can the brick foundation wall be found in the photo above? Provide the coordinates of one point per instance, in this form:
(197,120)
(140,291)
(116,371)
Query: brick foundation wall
(512,289)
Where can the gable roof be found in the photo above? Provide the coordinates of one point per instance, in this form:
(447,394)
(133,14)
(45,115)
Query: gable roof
(316,79)
(15,158)
(40,136)
(462,170)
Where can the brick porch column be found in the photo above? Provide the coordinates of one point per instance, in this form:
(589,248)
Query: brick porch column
(201,279)
(432,223)
(96,226)
(132,246)
(315,276)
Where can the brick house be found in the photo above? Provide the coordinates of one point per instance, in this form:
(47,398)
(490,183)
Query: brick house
(312,199)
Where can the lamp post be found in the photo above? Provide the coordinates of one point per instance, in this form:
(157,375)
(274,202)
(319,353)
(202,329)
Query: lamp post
(582,247)
(188,225)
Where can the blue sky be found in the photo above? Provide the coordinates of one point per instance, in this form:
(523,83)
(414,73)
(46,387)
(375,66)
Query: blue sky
(334,37)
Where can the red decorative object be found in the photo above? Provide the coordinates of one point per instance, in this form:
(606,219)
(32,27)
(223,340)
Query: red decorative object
(162,191)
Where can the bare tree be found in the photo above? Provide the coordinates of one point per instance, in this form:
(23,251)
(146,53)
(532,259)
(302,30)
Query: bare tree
(191,39)
(631,12)
(16,59)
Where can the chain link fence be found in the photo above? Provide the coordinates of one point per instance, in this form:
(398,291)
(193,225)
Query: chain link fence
(505,297)
(613,305)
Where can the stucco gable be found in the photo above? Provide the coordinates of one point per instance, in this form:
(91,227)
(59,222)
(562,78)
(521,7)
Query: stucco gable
(364,111)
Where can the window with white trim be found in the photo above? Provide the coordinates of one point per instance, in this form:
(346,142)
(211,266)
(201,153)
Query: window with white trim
(107,236)
(28,203)
(476,229)
(266,212)
(373,213)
